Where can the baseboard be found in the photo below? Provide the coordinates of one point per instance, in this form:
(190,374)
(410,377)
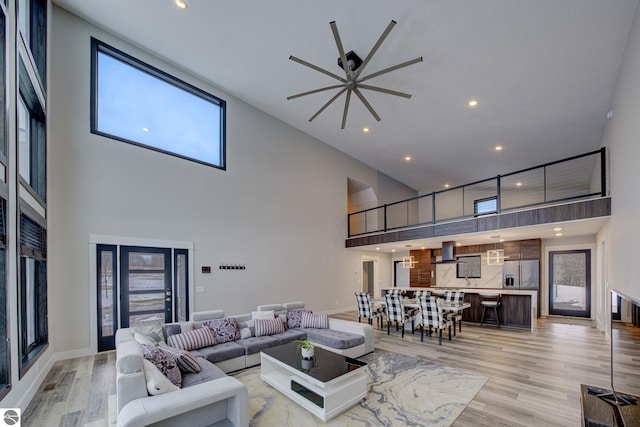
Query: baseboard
(72,354)
(340,310)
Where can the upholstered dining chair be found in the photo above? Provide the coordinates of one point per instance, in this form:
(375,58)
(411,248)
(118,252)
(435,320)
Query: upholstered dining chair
(455,298)
(367,310)
(396,313)
(431,316)
(421,293)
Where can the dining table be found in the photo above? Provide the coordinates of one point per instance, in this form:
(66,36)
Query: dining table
(447,307)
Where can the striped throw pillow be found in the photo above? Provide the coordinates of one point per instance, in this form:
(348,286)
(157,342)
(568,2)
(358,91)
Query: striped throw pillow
(185,361)
(193,340)
(310,320)
(268,326)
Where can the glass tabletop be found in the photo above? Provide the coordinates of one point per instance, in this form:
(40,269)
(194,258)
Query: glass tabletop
(325,365)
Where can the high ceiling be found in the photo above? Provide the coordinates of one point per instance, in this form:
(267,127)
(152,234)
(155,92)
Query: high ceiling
(543,72)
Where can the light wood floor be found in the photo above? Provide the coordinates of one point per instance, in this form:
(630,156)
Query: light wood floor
(534,377)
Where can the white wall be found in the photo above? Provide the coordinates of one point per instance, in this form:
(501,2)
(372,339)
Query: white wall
(622,137)
(279,208)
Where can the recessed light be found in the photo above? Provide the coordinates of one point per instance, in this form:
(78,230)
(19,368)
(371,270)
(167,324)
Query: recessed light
(145,129)
(498,147)
(407,158)
(501,240)
(473,103)
(558,234)
(393,250)
(518,184)
(557,229)
(365,130)
(181,4)
(423,248)
(458,244)
(446,186)
(377,249)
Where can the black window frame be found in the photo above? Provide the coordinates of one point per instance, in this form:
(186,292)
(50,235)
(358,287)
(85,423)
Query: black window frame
(36,37)
(486,199)
(98,46)
(5,350)
(33,246)
(37,183)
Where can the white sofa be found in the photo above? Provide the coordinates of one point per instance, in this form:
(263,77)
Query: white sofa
(215,399)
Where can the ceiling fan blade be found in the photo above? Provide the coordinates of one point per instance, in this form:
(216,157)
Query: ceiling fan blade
(388,70)
(322,89)
(315,67)
(346,109)
(383,90)
(366,104)
(343,57)
(376,47)
(328,103)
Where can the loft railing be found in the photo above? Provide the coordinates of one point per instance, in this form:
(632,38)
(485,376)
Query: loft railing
(577,177)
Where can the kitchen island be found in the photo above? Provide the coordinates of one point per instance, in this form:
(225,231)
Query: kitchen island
(519,306)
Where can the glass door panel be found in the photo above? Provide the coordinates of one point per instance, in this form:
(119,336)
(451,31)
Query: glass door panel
(145,277)
(181,281)
(570,283)
(107,296)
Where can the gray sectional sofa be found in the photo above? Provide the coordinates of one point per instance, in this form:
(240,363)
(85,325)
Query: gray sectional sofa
(210,397)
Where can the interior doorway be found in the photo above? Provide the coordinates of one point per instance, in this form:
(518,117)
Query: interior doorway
(368,274)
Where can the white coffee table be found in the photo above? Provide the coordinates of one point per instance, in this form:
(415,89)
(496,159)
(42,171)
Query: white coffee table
(326,386)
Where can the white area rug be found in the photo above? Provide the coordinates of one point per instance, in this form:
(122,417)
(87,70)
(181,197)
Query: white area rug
(403,391)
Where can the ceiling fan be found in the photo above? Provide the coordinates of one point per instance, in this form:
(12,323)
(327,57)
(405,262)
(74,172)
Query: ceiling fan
(353,67)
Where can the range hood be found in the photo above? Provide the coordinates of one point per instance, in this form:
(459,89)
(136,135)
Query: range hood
(448,254)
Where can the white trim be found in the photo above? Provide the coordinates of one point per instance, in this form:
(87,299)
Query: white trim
(138,241)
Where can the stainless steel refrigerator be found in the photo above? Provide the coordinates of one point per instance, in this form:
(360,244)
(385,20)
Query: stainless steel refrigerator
(521,274)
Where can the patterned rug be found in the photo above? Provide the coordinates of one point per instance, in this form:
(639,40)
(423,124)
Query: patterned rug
(403,391)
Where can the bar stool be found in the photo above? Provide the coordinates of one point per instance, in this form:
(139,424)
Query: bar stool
(491,301)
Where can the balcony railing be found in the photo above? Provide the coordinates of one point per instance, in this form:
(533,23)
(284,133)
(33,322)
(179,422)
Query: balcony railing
(578,177)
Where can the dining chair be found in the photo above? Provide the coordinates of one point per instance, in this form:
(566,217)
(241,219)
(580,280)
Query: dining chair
(396,313)
(421,293)
(367,310)
(431,316)
(454,298)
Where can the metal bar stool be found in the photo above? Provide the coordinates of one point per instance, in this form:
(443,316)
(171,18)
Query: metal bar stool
(491,301)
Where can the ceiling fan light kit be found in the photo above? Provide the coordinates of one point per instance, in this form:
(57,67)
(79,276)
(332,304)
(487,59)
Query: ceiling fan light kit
(353,66)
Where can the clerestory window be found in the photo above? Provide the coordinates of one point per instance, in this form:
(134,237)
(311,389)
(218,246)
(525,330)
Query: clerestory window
(139,104)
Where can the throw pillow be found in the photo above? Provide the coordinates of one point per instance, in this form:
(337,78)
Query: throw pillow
(149,328)
(319,321)
(247,329)
(185,361)
(269,326)
(143,339)
(294,318)
(164,362)
(156,382)
(225,330)
(269,314)
(193,340)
